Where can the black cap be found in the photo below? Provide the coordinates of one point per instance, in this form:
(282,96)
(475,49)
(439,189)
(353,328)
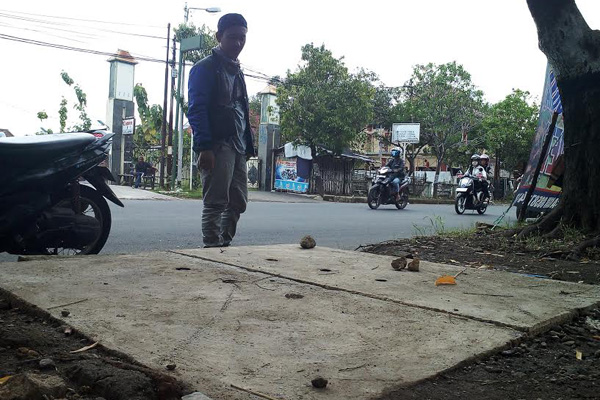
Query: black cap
(229,20)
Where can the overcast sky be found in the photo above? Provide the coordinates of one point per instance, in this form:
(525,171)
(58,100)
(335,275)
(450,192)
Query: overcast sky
(495,41)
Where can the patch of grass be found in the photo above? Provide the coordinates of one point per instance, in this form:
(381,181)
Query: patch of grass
(572,235)
(436,227)
(461,233)
(183,194)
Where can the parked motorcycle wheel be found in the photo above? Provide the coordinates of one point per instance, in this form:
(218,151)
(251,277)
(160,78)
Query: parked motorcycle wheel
(460,204)
(373,198)
(403,202)
(93,205)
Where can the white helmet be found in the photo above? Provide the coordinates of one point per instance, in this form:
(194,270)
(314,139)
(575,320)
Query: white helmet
(397,152)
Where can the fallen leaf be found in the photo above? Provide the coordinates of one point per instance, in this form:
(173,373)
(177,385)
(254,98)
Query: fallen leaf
(578,355)
(86,348)
(445,280)
(4,379)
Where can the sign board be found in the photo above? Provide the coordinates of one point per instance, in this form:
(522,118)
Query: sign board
(545,195)
(191,43)
(406,132)
(128,126)
(286,176)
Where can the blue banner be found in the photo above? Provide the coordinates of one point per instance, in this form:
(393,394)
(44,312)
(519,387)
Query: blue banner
(545,196)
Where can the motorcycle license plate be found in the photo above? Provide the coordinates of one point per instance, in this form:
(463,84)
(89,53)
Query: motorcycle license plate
(459,190)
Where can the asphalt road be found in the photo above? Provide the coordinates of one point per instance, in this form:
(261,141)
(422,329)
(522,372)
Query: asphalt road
(156,225)
(151,225)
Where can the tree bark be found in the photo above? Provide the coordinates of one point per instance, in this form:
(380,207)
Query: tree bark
(573,50)
(436,178)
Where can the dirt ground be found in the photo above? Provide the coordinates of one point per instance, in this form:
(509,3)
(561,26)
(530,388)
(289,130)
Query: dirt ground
(35,347)
(544,367)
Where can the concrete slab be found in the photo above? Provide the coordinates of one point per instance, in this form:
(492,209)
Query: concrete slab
(222,325)
(521,302)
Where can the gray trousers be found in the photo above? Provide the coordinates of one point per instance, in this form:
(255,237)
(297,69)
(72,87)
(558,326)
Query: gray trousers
(225,194)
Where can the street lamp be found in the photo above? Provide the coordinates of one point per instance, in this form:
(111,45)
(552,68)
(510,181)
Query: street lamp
(179,100)
(208,10)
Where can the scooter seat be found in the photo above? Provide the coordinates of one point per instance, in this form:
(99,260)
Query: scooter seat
(34,149)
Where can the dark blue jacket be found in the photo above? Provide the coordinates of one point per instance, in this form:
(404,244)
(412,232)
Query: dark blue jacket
(210,113)
(397,165)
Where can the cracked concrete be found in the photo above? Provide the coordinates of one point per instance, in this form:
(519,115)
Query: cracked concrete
(517,301)
(270,318)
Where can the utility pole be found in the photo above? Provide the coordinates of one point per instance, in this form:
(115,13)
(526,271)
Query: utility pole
(173,75)
(163,128)
(178,114)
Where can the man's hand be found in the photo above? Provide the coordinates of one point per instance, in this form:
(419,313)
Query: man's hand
(206,160)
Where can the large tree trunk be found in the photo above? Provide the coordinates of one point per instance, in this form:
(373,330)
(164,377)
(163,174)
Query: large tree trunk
(573,50)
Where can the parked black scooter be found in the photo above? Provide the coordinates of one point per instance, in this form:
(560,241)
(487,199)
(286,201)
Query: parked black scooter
(381,193)
(44,209)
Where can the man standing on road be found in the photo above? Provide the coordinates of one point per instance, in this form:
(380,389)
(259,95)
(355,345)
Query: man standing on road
(219,116)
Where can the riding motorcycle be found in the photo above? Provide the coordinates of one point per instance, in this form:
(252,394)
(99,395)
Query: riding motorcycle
(381,190)
(467,197)
(44,208)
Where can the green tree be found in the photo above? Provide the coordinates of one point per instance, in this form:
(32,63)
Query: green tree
(384,103)
(322,104)
(509,127)
(447,105)
(63,114)
(84,121)
(209,40)
(255,105)
(80,106)
(148,132)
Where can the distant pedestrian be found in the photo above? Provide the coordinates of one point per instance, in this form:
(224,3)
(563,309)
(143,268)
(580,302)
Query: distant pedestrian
(219,115)
(141,169)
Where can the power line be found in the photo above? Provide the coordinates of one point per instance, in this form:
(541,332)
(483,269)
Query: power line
(261,77)
(78,49)
(39,31)
(82,19)
(54,24)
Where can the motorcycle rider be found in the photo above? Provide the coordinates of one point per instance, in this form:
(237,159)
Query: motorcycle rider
(475,171)
(396,163)
(484,161)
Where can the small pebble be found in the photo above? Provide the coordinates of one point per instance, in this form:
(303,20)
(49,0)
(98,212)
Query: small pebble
(65,313)
(171,367)
(319,382)
(307,242)
(47,363)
